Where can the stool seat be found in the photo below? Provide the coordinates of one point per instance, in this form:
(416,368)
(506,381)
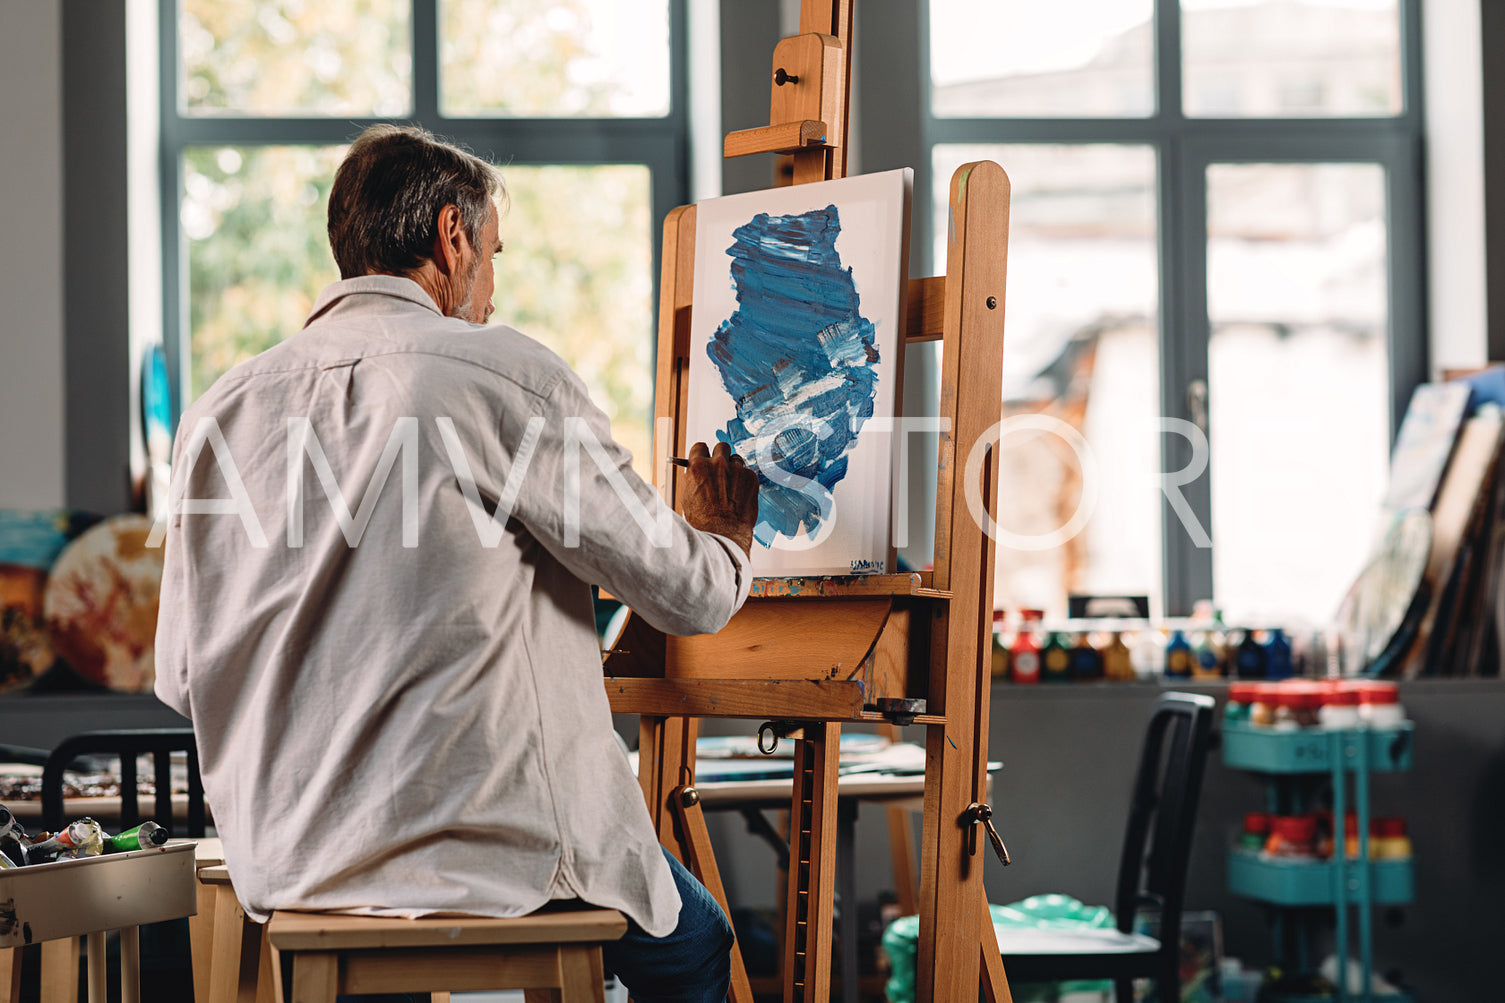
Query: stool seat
(322,931)
(552,955)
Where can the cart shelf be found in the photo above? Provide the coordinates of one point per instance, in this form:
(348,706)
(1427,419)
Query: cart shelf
(1311,750)
(1314,882)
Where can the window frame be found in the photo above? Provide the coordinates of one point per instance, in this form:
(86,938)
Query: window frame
(661,144)
(1184,147)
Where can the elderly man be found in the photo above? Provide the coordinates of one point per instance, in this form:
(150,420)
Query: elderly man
(376,606)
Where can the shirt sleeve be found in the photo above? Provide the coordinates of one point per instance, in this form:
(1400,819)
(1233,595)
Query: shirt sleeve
(584,502)
(170,647)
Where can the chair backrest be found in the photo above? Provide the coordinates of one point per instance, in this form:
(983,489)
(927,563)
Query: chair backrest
(1163,813)
(127,744)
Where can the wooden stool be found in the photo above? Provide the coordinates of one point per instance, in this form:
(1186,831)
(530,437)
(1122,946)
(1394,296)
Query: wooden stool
(554,955)
(232,962)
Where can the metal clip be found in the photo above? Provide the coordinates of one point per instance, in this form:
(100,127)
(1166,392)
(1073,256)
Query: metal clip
(982,812)
(769,733)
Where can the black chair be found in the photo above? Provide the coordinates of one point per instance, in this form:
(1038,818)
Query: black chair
(1151,873)
(126,745)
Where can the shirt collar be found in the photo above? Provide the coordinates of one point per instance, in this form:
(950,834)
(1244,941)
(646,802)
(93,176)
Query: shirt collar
(394,286)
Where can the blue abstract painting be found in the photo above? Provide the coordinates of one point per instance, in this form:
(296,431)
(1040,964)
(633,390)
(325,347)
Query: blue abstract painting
(794,352)
(800,362)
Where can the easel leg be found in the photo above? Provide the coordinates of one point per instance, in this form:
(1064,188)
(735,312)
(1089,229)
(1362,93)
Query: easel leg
(846,883)
(995,984)
(812,866)
(701,861)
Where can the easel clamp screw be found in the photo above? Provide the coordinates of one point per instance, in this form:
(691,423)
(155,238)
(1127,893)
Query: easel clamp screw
(782,77)
(689,797)
(983,812)
(992,302)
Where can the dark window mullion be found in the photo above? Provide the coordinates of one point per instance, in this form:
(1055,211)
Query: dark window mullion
(425,35)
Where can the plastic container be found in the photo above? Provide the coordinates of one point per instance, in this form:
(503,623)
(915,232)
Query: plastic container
(1292,837)
(1340,706)
(1379,704)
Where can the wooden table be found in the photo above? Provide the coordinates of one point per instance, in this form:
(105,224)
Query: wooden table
(52,905)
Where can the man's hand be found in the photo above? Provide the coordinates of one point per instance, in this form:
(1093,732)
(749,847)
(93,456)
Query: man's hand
(721,494)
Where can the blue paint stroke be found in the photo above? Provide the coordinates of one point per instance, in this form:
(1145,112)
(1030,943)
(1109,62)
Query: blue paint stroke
(799,361)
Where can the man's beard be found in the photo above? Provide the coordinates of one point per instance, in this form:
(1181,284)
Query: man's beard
(468,281)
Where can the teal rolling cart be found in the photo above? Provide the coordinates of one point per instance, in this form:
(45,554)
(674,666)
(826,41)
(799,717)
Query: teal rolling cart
(1289,759)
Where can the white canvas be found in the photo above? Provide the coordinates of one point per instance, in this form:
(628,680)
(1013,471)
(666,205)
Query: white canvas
(796,358)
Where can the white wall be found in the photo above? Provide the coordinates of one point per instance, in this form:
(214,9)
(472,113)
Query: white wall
(31,256)
(1455,184)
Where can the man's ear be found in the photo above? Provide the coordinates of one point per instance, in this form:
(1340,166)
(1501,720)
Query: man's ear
(449,240)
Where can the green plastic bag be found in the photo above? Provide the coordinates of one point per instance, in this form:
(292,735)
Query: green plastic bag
(1038,912)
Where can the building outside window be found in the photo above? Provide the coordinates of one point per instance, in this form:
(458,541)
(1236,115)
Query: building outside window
(1215,219)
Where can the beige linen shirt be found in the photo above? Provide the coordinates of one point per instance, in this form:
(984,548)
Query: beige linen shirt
(402,712)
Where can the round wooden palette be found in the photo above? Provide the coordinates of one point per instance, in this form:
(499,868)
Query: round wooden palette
(101,604)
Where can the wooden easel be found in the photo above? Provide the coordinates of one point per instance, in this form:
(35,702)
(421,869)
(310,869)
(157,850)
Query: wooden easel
(805,655)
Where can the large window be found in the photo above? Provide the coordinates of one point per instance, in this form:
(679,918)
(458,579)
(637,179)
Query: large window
(1216,221)
(579,102)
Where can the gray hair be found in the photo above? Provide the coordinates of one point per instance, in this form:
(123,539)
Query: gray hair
(387,195)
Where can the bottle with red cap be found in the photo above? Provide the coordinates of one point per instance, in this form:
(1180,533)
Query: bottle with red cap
(1292,836)
(1340,705)
(1256,831)
(1296,705)
(1379,704)
(1388,839)
(1024,654)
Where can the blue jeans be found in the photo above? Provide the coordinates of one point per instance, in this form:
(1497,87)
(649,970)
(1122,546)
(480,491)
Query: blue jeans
(691,965)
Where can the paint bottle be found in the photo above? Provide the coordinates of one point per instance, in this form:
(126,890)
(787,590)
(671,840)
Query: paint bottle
(1278,663)
(1249,658)
(143,837)
(1056,659)
(1086,661)
(1000,651)
(1211,661)
(1178,656)
(1148,653)
(1118,661)
(1024,653)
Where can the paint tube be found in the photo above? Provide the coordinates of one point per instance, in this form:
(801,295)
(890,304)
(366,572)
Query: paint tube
(12,840)
(143,837)
(83,838)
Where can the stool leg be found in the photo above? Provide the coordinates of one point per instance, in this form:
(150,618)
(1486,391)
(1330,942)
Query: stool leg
(130,965)
(236,956)
(316,977)
(98,986)
(582,977)
(201,941)
(269,979)
(60,970)
(10,975)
